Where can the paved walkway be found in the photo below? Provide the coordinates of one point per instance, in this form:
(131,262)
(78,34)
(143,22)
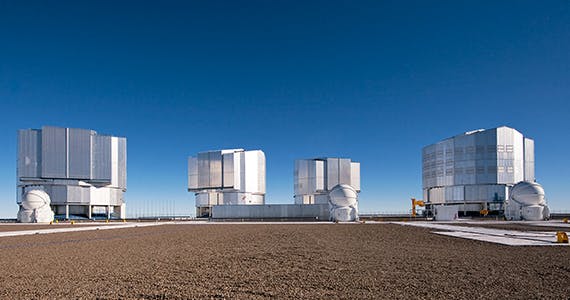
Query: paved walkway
(498,236)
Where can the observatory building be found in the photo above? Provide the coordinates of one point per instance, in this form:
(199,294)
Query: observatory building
(226,177)
(476,170)
(332,181)
(74,171)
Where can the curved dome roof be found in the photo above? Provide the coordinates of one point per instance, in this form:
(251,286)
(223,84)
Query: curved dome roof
(528,193)
(343,195)
(35,199)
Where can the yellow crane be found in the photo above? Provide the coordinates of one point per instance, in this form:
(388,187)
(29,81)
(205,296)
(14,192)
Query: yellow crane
(416,203)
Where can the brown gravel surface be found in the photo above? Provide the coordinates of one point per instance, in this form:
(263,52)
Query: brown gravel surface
(368,261)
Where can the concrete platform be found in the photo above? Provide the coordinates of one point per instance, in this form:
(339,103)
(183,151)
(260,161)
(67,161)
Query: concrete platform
(75,229)
(498,236)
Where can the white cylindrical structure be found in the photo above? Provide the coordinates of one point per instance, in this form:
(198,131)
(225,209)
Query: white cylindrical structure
(35,208)
(343,203)
(528,193)
(527,202)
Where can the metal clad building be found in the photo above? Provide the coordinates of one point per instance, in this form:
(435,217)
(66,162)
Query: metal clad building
(477,168)
(226,177)
(78,168)
(315,178)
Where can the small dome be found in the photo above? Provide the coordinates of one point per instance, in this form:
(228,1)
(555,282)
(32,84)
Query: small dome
(35,199)
(344,214)
(343,195)
(528,193)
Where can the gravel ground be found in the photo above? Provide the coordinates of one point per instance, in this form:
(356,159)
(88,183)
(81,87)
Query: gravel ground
(276,261)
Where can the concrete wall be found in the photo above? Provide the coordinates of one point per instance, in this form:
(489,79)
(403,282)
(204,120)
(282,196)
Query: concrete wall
(271,211)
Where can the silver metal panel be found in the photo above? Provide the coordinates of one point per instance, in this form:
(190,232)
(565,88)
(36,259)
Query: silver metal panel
(485,193)
(301,177)
(312,178)
(78,194)
(203,170)
(202,200)
(254,172)
(114,161)
(510,156)
(228,169)
(428,166)
(101,158)
(344,171)
(237,171)
(215,169)
(529,160)
(29,153)
(54,152)
(261,174)
(455,193)
(464,160)
(57,194)
(320,175)
(79,153)
(355,175)
(332,169)
(192,173)
(122,162)
(271,211)
(436,195)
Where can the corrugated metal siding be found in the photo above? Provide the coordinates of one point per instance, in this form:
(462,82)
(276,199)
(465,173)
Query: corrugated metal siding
(237,170)
(254,172)
(242,170)
(54,152)
(261,173)
(437,195)
(215,158)
(465,166)
(301,177)
(344,171)
(320,212)
(228,167)
(529,160)
(332,173)
(319,175)
(202,200)
(29,153)
(122,163)
(204,170)
(428,167)
(312,171)
(192,172)
(101,158)
(355,175)
(57,194)
(79,153)
(510,155)
(114,161)
(455,193)
(485,193)
(78,194)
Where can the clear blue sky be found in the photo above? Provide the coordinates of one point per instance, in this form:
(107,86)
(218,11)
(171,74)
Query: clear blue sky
(371,80)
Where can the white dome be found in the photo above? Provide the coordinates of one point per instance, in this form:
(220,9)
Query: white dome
(528,193)
(533,213)
(35,199)
(343,195)
(35,208)
(344,214)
